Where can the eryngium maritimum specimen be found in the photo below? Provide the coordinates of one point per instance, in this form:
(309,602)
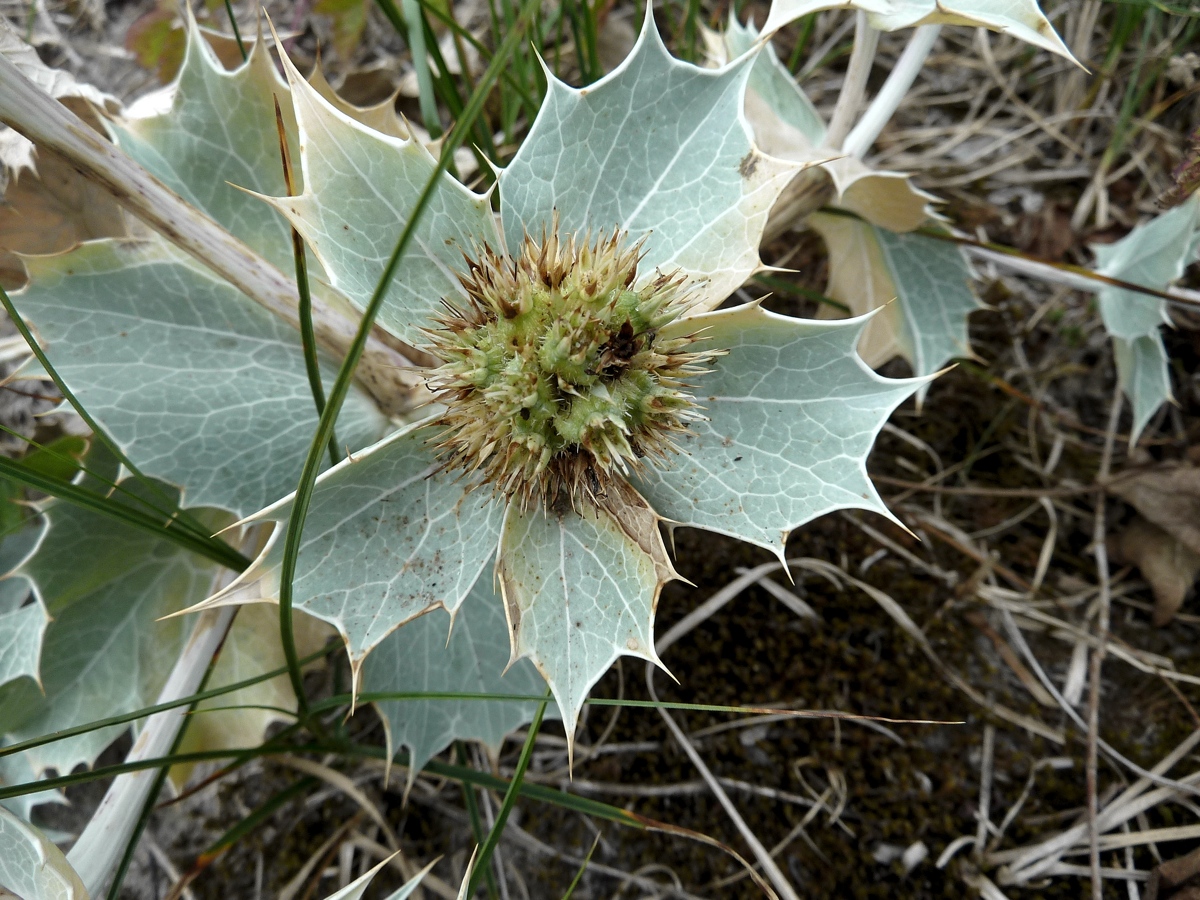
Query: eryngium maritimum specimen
(554,374)
(568,369)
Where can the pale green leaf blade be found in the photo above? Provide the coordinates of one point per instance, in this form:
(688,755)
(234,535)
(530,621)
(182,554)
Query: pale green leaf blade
(21,633)
(933,285)
(658,148)
(33,868)
(15,769)
(418,657)
(388,538)
(106,652)
(1142,370)
(1154,255)
(1020,18)
(773,83)
(360,189)
(580,588)
(197,384)
(792,414)
(213,129)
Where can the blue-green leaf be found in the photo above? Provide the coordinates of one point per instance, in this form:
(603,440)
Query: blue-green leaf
(580,588)
(198,385)
(419,657)
(33,868)
(658,148)
(792,414)
(1154,254)
(388,538)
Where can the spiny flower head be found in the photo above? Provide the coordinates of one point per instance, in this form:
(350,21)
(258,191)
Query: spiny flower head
(554,375)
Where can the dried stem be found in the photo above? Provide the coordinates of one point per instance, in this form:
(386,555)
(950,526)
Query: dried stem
(98,850)
(849,101)
(888,100)
(55,129)
(1100,551)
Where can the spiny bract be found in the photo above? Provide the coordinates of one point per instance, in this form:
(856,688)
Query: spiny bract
(554,375)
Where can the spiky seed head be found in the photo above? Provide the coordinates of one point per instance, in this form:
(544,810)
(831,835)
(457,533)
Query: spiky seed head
(553,373)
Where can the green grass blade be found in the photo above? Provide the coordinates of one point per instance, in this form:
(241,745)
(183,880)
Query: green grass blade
(161,707)
(237,34)
(472,804)
(255,819)
(308,337)
(62,781)
(341,385)
(189,522)
(209,547)
(114,889)
(420,59)
(583,868)
(510,797)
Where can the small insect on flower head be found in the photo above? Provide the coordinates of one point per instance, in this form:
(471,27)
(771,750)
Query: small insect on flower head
(553,373)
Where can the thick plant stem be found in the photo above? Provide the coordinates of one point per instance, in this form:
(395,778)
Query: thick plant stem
(98,851)
(849,101)
(888,100)
(385,371)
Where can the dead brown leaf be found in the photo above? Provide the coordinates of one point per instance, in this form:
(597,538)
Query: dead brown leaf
(50,212)
(1168,496)
(1167,564)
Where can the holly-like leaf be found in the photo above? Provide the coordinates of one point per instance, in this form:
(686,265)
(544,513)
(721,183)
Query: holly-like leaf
(580,589)
(388,538)
(922,284)
(360,188)
(200,386)
(859,277)
(418,657)
(106,652)
(16,151)
(770,81)
(1153,255)
(658,148)
(792,414)
(15,769)
(252,648)
(21,633)
(933,290)
(1020,18)
(32,867)
(22,623)
(355,889)
(787,126)
(219,131)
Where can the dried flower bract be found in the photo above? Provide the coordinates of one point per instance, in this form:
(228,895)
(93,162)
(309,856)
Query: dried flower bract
(554,375)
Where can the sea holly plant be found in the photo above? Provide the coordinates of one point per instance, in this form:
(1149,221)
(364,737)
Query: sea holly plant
(585,386)
(568,378)
(867,218)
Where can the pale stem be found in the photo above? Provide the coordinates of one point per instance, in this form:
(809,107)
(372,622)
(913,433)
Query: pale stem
(1179,296)
(888,100)
(54,128)
(850,99)
(102,844)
